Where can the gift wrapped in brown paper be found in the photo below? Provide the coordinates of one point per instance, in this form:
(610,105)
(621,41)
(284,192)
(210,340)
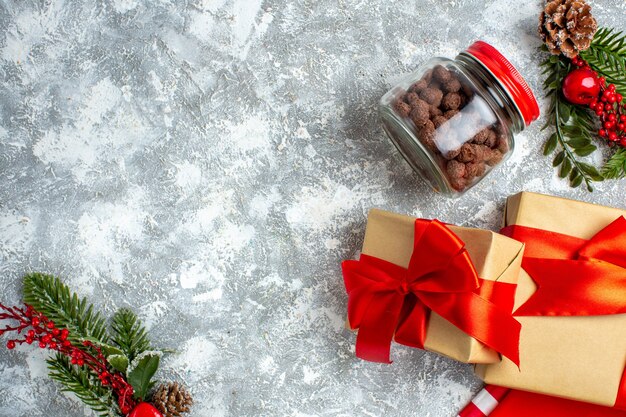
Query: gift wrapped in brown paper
(570,300)
(425,284)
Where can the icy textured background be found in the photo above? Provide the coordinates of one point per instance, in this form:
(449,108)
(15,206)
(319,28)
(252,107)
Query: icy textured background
(210,163)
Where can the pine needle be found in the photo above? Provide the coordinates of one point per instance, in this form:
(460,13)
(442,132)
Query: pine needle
(48,295)
(615,167)
(129,333)
(84,385)
(607,56)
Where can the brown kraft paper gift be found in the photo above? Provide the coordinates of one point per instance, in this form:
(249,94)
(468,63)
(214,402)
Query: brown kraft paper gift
(580,358)
(390,236)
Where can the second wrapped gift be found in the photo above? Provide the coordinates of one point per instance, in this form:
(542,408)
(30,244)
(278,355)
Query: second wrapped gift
(428,285)
(571,301)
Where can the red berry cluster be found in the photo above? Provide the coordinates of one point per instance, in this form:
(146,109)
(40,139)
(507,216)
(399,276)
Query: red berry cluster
(609,107)
(45,333)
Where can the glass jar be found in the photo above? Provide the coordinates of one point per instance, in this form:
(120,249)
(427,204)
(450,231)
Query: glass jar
(454,120)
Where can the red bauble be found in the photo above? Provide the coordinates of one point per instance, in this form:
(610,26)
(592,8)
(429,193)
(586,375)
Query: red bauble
(581,86)
(145,410)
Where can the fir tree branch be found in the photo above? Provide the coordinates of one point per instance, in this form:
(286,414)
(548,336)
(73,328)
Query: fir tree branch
(607,56)
(615,167)
(573,126)
(48,295)
(129,334)
(84,385)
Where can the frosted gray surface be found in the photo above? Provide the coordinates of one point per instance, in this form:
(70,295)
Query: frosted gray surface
(210,163)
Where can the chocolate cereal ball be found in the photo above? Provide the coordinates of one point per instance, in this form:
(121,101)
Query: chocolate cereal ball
(402,108)
(452,86)
(492,139)
(494,157)
(452,154)
(459,184)
(418,86)
(420,114)
(426,135)
(450,114)
(439,120)
(455,169)
(474,169)
(442,74)
(432,96)
(471,152)
(412,99)
(451,101)
(434,111)
(428,76)
(427,131)
(481,136)
(486,137)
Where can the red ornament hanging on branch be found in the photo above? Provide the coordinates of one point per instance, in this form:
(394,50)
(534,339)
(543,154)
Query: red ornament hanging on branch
(145,410)
(581,86)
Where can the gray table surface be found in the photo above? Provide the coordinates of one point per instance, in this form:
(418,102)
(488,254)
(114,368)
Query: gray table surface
(210,163)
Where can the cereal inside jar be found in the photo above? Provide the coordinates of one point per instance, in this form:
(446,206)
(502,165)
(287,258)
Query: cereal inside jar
(454,120)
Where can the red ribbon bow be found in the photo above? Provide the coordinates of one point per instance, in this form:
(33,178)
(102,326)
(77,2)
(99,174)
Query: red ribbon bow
(576,277)
(385,299)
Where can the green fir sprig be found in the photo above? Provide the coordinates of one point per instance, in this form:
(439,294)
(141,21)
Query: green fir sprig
(126,349)
(607,56)
(129,334)
(573,126)
(48,295)
(615,167)
(81,382)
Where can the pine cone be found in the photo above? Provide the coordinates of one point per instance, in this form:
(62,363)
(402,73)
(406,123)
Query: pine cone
(567,27)
(172,399)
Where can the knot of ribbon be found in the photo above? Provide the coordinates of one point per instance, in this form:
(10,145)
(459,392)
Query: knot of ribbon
(387,301)
(576,277)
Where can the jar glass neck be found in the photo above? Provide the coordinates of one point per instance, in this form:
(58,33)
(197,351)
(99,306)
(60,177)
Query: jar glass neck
(482,76)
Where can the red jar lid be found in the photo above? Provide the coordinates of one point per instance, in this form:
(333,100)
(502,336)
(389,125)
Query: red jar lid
(509,77)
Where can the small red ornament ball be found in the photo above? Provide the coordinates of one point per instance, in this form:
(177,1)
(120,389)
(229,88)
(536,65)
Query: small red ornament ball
(145,410)
(581,86)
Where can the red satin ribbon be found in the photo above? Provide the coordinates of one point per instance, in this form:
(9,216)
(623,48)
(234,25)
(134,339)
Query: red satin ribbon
(385,299)
(576,277)
(620,401)
(524,404)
